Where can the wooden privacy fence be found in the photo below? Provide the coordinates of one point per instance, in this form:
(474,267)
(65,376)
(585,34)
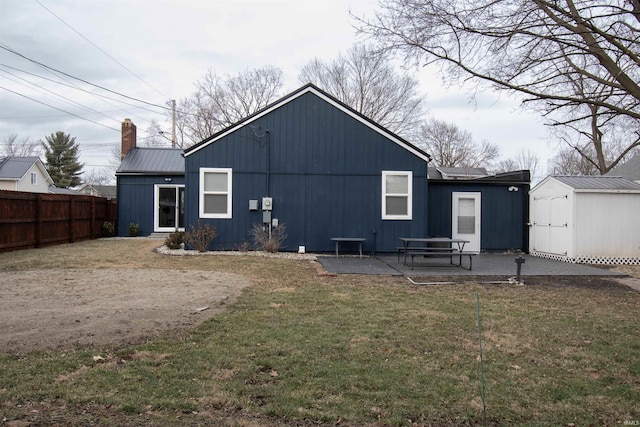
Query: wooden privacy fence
(33,220)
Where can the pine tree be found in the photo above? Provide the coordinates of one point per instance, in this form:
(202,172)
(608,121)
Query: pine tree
(61,154)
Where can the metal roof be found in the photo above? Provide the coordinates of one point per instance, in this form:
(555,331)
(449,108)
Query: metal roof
(629,169)
(438,172)
(16,167)
(604,183)
(152,161)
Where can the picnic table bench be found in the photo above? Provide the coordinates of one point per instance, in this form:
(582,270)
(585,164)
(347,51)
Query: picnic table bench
(357,240)
(443,248)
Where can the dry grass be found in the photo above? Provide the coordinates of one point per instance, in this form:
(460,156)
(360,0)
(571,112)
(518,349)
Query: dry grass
(303,349)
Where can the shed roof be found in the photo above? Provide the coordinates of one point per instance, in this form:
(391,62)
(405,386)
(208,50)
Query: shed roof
(152,161)
(310,88)
(598,183)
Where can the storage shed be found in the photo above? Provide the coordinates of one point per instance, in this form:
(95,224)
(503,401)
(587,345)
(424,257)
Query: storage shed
(586,219)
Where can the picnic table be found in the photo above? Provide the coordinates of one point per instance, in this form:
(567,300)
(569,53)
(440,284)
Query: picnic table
(434,247)
(357,240)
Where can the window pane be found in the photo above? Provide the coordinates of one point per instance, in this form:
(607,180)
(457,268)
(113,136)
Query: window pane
(466,225)
(396,205)
(397,184)
(215,181)
(215,203)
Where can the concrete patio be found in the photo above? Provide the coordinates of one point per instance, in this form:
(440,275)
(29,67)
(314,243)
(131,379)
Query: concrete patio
(485,265)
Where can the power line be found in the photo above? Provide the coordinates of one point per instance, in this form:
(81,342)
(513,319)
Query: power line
(2,46)
(81,89)
(105,53)
(59,109)
(70,101)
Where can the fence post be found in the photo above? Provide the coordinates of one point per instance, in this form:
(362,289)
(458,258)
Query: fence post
(72,220)
(92,221)
(38,219)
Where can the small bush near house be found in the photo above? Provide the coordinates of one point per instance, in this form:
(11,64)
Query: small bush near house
(244,246)
(264,241)
(134,229)
(174,240)
(200,237)
(108,230)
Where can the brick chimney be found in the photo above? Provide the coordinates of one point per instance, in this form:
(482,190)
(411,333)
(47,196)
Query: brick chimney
(128,137)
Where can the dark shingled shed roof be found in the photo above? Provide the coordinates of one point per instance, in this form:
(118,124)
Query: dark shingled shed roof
(152,161)
(604,183)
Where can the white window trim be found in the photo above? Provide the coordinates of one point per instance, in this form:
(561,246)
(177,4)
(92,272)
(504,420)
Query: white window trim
(202,193)
(409,196)
(34,178)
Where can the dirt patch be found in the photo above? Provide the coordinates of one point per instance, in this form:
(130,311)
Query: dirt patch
(48,309)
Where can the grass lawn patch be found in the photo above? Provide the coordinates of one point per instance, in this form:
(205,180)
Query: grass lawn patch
(303,349)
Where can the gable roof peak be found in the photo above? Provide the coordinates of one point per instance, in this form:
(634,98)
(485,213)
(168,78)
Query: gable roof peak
(311,88)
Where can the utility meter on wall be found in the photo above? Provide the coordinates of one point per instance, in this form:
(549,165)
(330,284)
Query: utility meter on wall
(267,203)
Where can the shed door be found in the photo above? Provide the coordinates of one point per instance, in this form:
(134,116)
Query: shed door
(466,220)
(550,224)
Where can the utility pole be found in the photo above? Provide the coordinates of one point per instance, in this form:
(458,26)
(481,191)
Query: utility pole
(173,123)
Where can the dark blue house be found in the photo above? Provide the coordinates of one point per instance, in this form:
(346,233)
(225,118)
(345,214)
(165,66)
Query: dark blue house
(150,184)
(315,165)
(498,204)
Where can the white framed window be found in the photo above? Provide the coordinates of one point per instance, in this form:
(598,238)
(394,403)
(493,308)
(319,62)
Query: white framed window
(34,178)
(215,192)
(397,195)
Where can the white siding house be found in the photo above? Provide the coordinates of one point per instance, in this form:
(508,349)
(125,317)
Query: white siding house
(24,174)
(586,219)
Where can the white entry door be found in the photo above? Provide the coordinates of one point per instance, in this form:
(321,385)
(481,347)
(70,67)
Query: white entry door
(466,220)
(168,213)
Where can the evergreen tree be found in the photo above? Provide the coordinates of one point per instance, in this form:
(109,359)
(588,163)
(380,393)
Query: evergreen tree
(61,154)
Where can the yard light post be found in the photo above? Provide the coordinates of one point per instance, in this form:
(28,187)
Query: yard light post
(519,262)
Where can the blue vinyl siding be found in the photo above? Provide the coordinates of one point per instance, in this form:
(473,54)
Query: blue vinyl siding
(323,170)
(135,201)
(504,214)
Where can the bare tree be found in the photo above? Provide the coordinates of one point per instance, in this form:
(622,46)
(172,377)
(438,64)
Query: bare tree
(219,102)
(524,160)
(568,161)
(25,147)
(570,60)
(368,83)
(100,176)
(451,146)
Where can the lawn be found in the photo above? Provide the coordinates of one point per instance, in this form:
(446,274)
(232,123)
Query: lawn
(299,348)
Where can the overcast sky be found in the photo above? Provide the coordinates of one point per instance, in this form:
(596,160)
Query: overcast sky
(155,50)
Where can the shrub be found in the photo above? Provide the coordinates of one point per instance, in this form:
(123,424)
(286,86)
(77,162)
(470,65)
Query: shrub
(244,246)
(108,229)
(200,237)
(264,241)
(134,229)
(174,240)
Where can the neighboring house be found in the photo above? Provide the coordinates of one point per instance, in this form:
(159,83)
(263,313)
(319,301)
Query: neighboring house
(586,219)
(106,191)
(24,174)
(150,186)
(491,211)
(328,171)
(629,169)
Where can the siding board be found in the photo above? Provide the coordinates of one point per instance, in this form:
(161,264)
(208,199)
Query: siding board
(324,175)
